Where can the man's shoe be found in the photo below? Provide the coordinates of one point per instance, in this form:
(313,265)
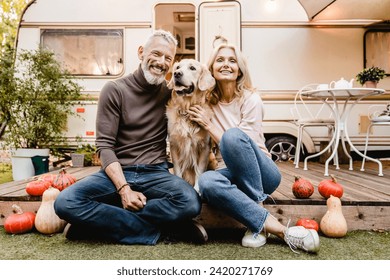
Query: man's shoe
(253,240)
(72,232)
(195,232)
(299,237)
(68,232)
(187,231)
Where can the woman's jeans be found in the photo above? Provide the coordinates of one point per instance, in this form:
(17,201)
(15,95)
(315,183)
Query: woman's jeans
(249,178)
(93,203)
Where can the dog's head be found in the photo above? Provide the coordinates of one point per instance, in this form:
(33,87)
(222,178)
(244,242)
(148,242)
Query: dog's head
(189,76)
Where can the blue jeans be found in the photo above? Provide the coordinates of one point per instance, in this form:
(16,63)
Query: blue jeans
(93,203)
(249,178)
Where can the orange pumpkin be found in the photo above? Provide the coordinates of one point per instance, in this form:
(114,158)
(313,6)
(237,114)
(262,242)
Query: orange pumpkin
(308,223)
(63,180)
(49,177)
(326,188)
(302,188)
(19,222)
(37,187)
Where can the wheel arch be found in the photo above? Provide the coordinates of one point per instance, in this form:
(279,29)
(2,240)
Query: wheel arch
(287,129)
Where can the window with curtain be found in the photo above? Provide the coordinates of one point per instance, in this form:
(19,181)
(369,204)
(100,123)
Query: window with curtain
(87,52)
(377,49)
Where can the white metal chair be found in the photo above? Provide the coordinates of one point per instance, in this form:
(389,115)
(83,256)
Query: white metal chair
(378,116)
(304,116)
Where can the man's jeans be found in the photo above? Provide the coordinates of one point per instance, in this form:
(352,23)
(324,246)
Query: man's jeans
(249,178)
(93,203)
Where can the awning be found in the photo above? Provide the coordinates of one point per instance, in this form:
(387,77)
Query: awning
(374,10)
(314,7)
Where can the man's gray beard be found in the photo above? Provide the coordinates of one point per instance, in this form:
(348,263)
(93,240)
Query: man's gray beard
(150,78)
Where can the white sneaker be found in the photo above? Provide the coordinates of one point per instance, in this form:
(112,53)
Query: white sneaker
(253,240)
(299,237)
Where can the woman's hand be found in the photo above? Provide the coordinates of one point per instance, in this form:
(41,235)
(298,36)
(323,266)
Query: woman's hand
(199,115)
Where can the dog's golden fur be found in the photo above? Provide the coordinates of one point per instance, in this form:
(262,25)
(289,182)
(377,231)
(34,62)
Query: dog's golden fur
(189,143)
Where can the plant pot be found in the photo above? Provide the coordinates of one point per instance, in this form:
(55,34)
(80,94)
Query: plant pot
(22,163)
(77,159)
(370,84)
(96,160)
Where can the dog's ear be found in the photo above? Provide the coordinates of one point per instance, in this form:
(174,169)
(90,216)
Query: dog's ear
(206,80)
(171,83)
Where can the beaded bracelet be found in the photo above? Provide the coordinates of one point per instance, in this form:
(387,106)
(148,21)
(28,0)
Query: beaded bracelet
(124,185)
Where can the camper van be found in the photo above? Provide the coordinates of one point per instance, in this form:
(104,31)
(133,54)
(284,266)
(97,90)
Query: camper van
(288,44)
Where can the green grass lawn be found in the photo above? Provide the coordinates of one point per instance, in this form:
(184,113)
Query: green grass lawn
(223,245)
(5,173)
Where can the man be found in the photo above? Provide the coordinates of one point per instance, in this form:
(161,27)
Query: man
(134,196)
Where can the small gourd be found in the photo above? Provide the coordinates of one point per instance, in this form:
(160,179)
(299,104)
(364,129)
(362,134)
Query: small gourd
(333,223)
(47,221)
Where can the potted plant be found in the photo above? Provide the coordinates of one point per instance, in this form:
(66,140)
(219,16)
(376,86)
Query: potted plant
(87,153)
(370,76)
(35,103)
(84,155)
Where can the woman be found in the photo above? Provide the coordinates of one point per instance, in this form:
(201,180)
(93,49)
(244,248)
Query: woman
(246,174)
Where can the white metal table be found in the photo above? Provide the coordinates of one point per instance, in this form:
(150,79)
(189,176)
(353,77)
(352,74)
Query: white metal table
(341,101)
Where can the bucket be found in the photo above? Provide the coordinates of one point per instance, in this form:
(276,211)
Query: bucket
(22,164)
(41,164)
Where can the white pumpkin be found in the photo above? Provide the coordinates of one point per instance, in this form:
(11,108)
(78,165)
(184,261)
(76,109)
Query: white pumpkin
(46,220)
(333,223)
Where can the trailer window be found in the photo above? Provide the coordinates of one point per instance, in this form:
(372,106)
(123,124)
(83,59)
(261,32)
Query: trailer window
(377,49)
(87,52)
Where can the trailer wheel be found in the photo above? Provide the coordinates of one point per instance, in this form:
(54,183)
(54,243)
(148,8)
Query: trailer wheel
(282,148)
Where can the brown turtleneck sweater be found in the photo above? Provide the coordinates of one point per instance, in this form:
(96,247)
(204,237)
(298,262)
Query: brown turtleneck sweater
(131,123)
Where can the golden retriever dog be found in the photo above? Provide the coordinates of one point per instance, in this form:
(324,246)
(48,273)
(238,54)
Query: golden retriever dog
(190,144)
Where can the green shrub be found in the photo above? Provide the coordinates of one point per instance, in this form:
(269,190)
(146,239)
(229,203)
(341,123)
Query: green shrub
(36,100)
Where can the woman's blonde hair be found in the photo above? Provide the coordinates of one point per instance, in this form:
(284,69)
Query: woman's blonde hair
(244,82)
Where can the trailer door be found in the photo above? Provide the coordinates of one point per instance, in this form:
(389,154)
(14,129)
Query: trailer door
(216,20)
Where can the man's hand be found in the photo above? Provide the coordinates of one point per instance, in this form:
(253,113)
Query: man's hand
(132,200)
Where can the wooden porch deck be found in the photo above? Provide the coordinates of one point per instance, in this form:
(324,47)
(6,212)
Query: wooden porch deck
(366,199)
(365,202)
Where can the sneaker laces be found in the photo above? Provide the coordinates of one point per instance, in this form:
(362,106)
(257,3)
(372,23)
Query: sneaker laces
(256,234)
(292,241)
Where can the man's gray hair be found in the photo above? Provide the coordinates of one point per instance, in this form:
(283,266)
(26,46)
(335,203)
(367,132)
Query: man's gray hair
(163,34)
